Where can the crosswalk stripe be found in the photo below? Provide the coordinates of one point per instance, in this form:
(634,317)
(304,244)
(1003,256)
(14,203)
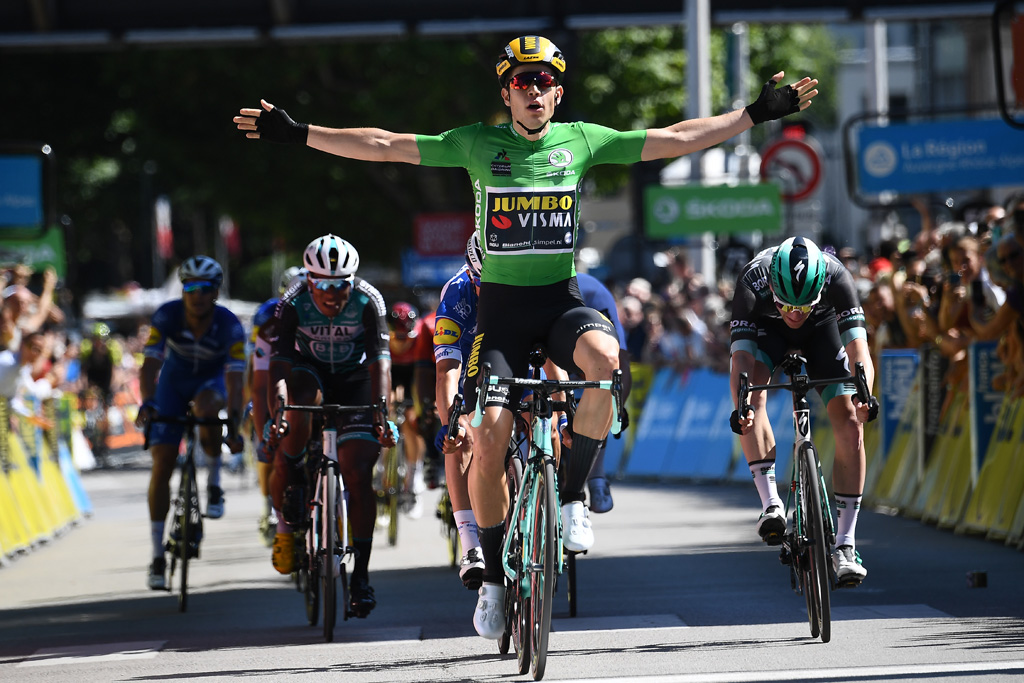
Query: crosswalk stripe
(88,654)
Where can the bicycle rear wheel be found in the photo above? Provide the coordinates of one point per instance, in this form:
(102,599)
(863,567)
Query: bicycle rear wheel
(543,571)
(513,480)
(328,527)
(816,582)
(393,489)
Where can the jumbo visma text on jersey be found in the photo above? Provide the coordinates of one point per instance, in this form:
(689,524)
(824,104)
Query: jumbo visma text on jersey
(541,219)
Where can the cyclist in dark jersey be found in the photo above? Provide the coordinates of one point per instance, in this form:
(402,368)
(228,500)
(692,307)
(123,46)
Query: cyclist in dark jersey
(794,297)
(329,344)
(526,177)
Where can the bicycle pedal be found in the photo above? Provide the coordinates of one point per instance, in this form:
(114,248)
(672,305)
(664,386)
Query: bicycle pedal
(848,583)
(772,539)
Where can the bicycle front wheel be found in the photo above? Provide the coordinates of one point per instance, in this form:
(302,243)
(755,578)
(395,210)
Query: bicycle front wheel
(188,525)
(393,489)
(544,555)
(816,569)
(513,479)
(327,552)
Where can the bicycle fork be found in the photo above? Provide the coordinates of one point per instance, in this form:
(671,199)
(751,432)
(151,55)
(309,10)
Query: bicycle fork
(330,476)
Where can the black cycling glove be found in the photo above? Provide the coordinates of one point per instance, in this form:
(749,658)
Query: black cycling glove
(276,126)
(774,103)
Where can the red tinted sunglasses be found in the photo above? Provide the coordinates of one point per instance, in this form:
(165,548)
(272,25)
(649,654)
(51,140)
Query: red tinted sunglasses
(542,79)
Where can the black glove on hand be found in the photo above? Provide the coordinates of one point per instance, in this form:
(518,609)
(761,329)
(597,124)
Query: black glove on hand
(276,126)
(774,103)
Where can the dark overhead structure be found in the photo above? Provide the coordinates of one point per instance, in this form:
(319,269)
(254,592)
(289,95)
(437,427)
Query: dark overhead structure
(107,24)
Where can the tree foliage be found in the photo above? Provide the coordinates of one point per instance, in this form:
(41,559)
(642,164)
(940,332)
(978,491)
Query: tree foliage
(129,125)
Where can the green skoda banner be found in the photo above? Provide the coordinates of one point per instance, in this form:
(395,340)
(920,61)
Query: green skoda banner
(47,250)
(721,209)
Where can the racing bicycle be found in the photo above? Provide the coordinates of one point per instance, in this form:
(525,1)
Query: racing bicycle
(324,531)
(532,553)
(806,547)
(187,523)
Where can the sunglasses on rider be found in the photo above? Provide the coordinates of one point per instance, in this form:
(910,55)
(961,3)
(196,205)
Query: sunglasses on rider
(201,286)
(789,308)
(542,79)
(325,283)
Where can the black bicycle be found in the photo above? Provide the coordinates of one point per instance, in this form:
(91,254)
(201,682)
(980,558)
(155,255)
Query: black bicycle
(324,530)
(806,547)
(187,525)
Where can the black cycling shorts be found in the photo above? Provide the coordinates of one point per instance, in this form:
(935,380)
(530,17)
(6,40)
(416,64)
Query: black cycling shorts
(817,340)
(352,389)
(512,320)
(402,376)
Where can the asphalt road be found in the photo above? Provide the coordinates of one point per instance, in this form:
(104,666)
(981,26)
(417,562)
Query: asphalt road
(677,588)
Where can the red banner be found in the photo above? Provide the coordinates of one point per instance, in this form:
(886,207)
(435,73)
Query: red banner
(442,234)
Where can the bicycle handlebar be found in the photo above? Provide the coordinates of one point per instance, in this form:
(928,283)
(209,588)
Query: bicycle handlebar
(188,421)
(379,408)
(800,384)
(543,388)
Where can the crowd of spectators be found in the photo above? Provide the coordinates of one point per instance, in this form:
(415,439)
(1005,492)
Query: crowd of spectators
(953,283)
(45,354)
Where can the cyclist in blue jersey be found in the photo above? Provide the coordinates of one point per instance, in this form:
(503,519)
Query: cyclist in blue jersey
(527,177)
(257,375)
(197,348)
(597,296)
(454,330)
(329,342)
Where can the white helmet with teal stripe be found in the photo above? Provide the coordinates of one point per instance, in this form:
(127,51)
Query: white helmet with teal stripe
(797,272)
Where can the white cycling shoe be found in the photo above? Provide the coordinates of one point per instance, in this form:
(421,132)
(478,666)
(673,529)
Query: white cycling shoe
(577,535)
(489,616)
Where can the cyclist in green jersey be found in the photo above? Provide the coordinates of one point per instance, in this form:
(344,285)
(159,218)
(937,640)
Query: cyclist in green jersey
(526,177)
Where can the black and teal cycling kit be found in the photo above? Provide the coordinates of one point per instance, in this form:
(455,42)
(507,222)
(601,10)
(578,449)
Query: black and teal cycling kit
(526,196)
(337,351)
(837,319)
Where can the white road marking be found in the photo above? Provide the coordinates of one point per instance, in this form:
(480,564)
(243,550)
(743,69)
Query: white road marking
(617,623)
(835,674)
(88,654)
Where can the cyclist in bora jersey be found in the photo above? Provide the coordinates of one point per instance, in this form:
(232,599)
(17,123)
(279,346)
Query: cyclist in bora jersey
(526,177)
(795,297)
(198,350)
(329,344)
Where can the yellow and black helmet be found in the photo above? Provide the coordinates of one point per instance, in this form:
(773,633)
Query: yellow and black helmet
(530,50)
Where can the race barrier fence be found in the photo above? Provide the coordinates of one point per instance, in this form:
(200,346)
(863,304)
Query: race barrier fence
(41,492)
(948,457)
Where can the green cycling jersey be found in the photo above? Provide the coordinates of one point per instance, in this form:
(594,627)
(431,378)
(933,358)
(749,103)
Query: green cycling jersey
(526,192)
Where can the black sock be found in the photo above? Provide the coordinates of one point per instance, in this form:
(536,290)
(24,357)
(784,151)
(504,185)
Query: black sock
(360,568)
(581,461)
(491,539)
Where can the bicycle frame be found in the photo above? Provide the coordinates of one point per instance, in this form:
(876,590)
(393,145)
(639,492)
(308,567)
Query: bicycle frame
(806,548)
(327,541)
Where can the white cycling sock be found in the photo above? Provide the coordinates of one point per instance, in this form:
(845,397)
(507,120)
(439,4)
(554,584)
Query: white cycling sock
(268,505)
(214,478)
(763,472)
(847,509)
(465,522)
(156,529)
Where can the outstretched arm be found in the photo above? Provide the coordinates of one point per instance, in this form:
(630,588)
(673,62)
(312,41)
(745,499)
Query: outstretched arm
(367,144)
(694,135)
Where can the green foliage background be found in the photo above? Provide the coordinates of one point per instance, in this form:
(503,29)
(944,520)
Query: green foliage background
(111,116)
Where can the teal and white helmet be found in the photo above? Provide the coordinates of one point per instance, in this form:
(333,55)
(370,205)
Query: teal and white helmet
(797,272)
